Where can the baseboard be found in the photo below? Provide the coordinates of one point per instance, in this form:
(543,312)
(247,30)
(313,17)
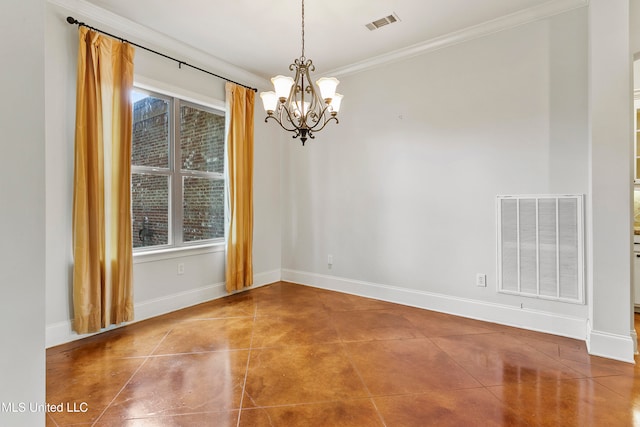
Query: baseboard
(552,323)
(266,278)
(62,332)
(611,346)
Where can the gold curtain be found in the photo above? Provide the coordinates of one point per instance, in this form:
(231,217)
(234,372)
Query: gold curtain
(239,271)
(102,242)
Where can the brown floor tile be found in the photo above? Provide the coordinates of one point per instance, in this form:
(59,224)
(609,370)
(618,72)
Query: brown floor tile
(572,353)
(334,301)
(192,336)
(238,305)
(138,339)
(553,346)
(300,374)
(579,402)
(278,331)
(217,419)
(627,387)
(84,380)
(470,407)
(349,413)
(373,325)
(49,422)
(432,324)
(284,290)
(289,301)
(291,355)
(183,384)
(495,359)
(407,366)
(595,367)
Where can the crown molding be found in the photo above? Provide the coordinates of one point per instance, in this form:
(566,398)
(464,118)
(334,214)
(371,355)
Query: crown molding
(550,8)
(153,39)
(98,17)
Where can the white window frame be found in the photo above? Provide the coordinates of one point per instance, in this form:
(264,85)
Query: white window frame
(176,98)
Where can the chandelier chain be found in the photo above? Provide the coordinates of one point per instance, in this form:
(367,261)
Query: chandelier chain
(302,28)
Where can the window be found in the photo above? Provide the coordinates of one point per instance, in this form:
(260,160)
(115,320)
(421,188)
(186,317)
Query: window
(177,172)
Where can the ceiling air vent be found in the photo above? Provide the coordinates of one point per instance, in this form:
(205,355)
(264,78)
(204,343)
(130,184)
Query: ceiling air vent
(390,19)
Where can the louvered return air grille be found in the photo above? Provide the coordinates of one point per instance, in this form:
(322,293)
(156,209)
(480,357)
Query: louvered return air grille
(389,19)
(541,246)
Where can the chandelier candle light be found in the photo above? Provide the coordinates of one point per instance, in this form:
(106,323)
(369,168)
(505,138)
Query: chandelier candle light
(296,105)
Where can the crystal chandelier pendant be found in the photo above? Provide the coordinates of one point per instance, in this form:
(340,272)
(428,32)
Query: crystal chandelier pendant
(296,104)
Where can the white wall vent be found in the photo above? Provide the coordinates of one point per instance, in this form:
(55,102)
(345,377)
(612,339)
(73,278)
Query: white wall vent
(389,19)
(541,246)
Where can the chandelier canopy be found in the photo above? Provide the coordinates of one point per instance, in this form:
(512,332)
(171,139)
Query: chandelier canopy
(295,103)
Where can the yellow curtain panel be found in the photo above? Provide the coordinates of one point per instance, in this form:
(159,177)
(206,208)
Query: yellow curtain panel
(102,242)
(239,271)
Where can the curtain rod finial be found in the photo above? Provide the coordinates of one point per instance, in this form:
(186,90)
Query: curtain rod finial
(72,20)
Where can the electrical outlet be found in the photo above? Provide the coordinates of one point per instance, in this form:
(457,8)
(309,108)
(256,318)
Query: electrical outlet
(330,259)
(180,268)
(481,280)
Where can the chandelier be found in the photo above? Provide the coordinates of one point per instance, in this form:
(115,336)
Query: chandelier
(295,103)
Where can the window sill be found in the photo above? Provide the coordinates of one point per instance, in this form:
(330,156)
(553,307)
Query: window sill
(181,252)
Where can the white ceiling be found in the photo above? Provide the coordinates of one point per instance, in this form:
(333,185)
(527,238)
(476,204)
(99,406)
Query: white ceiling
(264,36)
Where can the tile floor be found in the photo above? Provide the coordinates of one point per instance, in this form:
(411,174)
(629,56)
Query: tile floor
(291,355)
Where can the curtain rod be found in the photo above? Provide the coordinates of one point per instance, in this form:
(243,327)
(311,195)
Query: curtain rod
(72,21)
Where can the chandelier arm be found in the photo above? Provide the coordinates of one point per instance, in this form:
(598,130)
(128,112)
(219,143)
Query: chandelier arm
(291,119)
(296,130)
(280,123)
(323,118)
(324,123)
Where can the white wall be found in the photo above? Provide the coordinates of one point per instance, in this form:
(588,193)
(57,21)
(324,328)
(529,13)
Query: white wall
(22,254)
(402,191)
(634,27)
(609,205)
(157,286)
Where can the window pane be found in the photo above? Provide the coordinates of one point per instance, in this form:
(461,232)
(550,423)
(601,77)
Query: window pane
(150,206)
(150,139)
(201,140)
(203,214)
